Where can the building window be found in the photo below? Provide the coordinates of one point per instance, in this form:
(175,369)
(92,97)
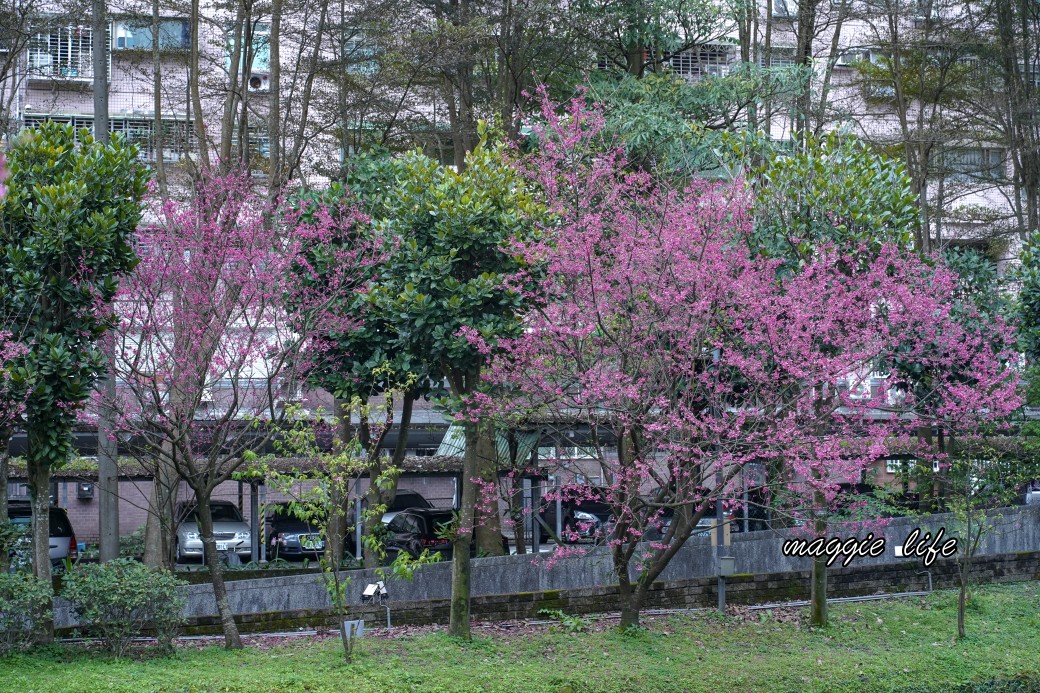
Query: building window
(359,55)
(969,163)
(62,53)
(257,56)
(698,62)
(905,465)
(136,34)
(778,56)
(178,135)
(785,8)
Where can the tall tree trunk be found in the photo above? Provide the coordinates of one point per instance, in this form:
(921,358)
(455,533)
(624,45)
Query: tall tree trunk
(40,492)
(488,520)
(274,132)
(818,590)
(159,526)
(461,567)
(338,521)
(516,513)
(158,135)
(5,462)
(108,474)
(628,595)
(232,640)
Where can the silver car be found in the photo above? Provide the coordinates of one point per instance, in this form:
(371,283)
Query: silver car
(229,529)
(63,546)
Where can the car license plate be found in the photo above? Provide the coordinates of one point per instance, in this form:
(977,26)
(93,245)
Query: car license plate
(222,546)
(312,542)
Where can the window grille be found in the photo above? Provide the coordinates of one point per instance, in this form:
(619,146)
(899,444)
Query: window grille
(698,62)
(178,135)
(63,53)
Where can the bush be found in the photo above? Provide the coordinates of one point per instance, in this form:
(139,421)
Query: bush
(25,604)
(132,545)
(118,599)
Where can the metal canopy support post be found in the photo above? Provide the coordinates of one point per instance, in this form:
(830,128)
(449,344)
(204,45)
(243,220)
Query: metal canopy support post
(559,508)
(358,552)
(263,523)
(254,523)
(536,507)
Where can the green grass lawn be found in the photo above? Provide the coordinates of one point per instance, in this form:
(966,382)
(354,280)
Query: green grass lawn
(897,645)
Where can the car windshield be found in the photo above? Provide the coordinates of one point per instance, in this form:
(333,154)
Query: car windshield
(60,527)
(221,513)
(403,501)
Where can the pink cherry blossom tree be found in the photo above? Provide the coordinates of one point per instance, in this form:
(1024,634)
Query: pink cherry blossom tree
(215,326)
(667,338)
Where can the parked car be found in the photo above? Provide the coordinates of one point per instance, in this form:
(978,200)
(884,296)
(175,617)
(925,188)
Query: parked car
(290,537)
(229,530)
(417,529)
(584,517)
(62,539)
(404,500)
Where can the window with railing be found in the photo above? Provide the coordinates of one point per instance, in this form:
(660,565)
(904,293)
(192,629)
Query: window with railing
(701,61)
(974,163)
(63,53)
(178,135)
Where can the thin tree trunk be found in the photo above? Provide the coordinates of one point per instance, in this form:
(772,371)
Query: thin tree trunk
(193,85)
(232,640)
(818,590)
(461,567)
(274,133)
(158,136)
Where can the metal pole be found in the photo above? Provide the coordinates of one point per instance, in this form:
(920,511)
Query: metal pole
(743,483)
(536,515)
(559,509)
(263,525)
(254,523)
(720,519)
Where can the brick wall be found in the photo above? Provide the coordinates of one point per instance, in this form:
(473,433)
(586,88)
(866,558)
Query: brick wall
(700,592)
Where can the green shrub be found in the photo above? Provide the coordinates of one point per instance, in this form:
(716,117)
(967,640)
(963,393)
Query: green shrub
(118,599)
(25,604)
(132,545)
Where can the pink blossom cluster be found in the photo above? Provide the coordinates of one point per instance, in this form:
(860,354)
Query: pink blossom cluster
(659,325)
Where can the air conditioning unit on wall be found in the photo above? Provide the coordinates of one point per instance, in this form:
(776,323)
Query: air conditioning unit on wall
(259,81)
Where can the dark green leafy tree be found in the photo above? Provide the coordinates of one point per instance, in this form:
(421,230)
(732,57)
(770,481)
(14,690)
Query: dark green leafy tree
(66,227)
(365,359)
(454,270)
(673,127)
(1029,299)
(831,189)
